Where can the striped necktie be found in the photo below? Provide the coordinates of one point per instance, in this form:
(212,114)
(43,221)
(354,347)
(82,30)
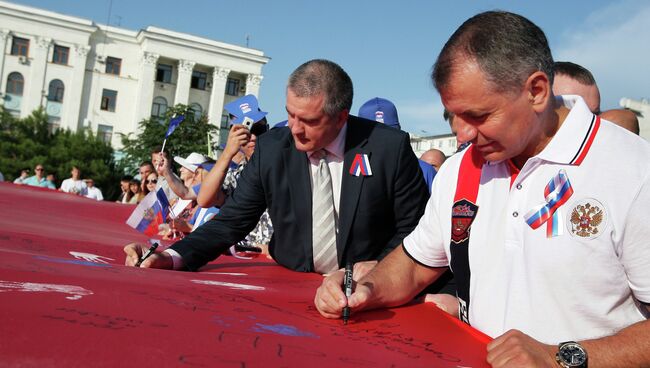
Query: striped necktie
(323,218)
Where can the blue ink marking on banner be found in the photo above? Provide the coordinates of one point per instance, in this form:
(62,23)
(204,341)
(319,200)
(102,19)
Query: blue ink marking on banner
(283,330)
(72,261)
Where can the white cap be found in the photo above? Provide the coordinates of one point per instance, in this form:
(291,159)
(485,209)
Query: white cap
(192,161)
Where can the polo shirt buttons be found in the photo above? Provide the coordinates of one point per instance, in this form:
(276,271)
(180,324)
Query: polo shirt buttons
(515,214)
(518,186)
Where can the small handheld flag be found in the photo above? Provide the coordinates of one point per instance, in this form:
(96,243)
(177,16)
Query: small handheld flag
(149,214)
(164,202)
(173,124)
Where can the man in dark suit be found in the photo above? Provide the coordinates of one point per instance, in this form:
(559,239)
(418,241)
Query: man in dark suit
(375,193)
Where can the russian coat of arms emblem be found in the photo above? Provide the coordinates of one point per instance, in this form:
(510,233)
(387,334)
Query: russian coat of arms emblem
(587,219)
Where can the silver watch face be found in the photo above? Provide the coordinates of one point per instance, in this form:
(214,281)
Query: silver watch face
(572,354)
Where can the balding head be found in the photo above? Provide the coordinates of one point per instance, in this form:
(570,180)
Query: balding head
(434,158)
(573,79)
(623,118)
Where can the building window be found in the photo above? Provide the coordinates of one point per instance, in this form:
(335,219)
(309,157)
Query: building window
(164,73)
(198,80)
(60,55)
(55,91)
(15,84)
(20,46)
(109,99)
(225,119)
(197,110)
(159,107)
(232,87)
(113,65)
(105,133)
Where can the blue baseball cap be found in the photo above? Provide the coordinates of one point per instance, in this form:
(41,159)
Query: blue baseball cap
(207,166)
(380,110)
(243,107)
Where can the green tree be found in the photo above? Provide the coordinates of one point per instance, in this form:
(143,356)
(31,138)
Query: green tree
(190,136)
(26,142)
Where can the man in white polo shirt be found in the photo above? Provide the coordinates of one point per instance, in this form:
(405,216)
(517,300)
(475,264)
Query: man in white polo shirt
(543,219)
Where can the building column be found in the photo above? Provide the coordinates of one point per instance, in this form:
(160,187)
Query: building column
(185,68)
(145,88)
(4,36)
(253,84)
(219,78)
(72,94)
(36,86)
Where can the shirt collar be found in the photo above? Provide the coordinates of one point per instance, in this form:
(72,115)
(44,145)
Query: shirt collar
(337,146)
(573,139)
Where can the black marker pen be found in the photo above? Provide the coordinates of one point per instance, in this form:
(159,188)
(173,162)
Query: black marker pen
(347,284)
(149,252)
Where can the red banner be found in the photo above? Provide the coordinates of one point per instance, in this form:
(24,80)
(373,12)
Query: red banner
(67,300)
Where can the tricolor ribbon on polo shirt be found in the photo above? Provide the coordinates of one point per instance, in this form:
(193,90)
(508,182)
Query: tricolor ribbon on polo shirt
(360,165)
(556,193)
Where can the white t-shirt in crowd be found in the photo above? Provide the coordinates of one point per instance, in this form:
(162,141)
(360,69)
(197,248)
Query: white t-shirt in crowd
(94,193)
(74,186)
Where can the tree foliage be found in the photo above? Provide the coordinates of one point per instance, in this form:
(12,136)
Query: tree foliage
(190,136)
(26,142)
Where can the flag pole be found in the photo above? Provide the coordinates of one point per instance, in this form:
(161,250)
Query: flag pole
(163,146)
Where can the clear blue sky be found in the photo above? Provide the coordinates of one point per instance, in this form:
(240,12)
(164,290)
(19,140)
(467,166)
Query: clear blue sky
(388,47)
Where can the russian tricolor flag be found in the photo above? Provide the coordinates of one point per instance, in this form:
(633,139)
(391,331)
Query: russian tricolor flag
(150,213)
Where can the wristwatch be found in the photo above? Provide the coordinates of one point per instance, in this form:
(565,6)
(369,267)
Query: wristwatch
(571,355)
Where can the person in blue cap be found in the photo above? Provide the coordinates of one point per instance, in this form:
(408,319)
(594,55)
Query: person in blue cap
(248,123)
(383,111)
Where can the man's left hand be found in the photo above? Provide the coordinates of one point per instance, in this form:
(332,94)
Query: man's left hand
(516,349)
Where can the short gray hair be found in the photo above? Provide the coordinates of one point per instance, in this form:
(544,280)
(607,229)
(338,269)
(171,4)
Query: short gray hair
(323,76)
(506,46)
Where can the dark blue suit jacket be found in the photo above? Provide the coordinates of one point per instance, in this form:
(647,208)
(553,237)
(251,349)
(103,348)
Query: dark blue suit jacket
(375,213)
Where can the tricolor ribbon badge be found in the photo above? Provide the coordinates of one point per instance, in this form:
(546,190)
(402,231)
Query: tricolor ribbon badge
(360,165)
(556,193)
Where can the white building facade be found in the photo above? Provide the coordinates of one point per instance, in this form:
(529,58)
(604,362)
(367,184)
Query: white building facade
(445,142)
(109,79)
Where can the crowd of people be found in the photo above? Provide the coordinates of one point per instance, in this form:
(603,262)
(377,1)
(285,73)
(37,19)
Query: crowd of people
(74,184)
(539,219)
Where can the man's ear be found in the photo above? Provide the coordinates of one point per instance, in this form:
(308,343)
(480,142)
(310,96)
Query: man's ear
(342,118)
(539,91)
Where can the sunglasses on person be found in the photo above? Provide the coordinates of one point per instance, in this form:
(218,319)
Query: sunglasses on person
(152,181)
(38,169)
(259,129)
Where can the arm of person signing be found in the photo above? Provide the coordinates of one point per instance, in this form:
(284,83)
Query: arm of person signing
(394,281)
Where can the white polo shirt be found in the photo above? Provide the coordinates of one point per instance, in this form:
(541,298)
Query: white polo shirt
(582,284)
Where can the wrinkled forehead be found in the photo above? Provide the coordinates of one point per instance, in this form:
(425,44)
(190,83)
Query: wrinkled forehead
(467,85)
